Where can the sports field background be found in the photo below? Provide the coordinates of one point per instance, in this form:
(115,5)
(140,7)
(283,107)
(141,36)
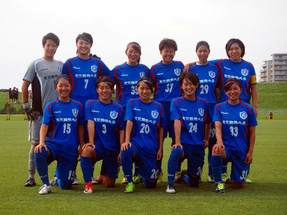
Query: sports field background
(267,194)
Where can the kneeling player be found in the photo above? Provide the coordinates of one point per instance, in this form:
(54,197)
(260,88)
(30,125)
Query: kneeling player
(191,117)
(144,136)
(106,133)
(66,118)
(235,123)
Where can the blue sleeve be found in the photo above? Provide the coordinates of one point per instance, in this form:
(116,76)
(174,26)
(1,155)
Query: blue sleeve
(65,69)
(122,120)
(214,62)
(209,113)
(46,115)
(163,119)
(129,115)
(88,113)
(82,117)
(174,113)
(112,74)
(105,70)
(216,114)
(252,118)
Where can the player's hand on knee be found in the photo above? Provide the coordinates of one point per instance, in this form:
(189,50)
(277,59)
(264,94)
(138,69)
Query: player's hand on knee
(125,146)
(39,147)
(176,145)
(218,149)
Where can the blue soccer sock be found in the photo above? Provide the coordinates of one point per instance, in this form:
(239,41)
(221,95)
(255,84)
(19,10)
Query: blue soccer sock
(42,165)
(172,165)
(216,165)
(209,164)
(224,167)
(86,165)
(127,164)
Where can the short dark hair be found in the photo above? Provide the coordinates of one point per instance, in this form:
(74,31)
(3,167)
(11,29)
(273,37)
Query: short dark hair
(85,36)
(107,80)
(169,43)
(237,41)
(190,76)
(202,43)
(230,82)
(63,77)
(147,81)
(51,36)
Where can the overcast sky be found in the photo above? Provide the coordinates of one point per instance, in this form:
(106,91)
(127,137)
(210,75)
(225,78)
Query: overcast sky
(260,24)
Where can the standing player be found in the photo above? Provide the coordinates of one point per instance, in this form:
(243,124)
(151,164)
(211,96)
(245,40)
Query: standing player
(208,75)
(235,123)
(41,74)
(126,76)
(191,118)
(144,136)
(165,75)
(84,70)
(66,120)
(106,134)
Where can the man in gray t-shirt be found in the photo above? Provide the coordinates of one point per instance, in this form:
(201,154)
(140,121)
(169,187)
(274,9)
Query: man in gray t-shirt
(41,74)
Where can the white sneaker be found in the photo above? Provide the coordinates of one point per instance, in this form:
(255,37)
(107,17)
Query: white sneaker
(53,181)
(75,182)
(45,189)
(170,189)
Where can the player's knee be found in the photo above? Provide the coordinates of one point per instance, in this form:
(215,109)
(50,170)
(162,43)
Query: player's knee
(149,183)
(109,182)
(194,181)
(64,185)
(44,153)
(237,185)
(87,152)
(126,153)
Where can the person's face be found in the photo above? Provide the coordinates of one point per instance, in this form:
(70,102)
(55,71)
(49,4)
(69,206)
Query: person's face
(234,52)
(233,93)
(188,88)
(83,47)
(105,92)
(202,53)
(50,49)
(64,88)
(167,54)
(144,91)
(133,56)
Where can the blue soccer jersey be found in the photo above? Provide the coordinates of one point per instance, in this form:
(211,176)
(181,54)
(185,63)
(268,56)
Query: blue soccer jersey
(243,71)
(109,119)
(235,121)
(208,76)
(84,74)
(165,77)
(193,115)
(64,117)
(147,118)
(126,78)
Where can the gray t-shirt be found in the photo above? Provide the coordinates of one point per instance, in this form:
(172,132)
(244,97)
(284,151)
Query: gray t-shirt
(42,75)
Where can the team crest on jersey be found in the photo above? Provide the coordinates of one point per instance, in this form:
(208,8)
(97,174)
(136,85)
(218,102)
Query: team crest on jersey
(177,72)
(141,74)
(243,115)
(201,111)
(154,114)
(211,74)
(113,114)
(94,68)
(60,69)
(244,72)
(75,112)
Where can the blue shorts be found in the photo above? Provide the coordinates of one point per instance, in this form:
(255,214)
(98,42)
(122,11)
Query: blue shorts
(169,123)
(212,129)
(239,169)
(110,165)
(148,166)
(195,155)
(66,166)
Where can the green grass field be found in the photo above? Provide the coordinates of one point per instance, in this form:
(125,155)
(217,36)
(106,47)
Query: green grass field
(267,195)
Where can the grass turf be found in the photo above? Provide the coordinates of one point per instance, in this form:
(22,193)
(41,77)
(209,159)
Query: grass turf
(267,195)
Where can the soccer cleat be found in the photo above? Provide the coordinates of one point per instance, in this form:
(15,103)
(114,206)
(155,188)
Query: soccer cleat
(137,179)
(177,178)
(76,181)
(225,177)
(170,189)
(130,188)
(248,181)
(53,181)
(45,189)
(159,177)
(99,180)
(210,179)
(125,180)
(89,188)
(30,183)
(220,187)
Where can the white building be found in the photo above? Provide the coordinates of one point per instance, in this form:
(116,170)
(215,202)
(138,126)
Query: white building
(274,70)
